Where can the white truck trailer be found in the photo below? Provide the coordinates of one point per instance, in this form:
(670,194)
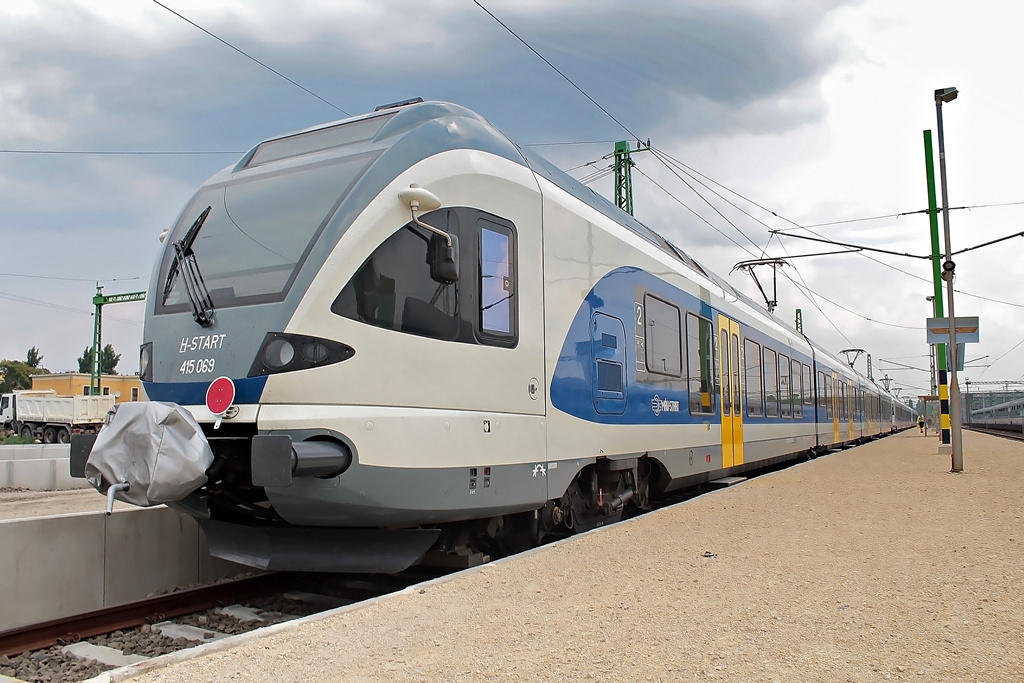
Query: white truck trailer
(42,414)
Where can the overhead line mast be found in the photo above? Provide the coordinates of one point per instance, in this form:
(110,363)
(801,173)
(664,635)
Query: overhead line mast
(99,300)
(624,175)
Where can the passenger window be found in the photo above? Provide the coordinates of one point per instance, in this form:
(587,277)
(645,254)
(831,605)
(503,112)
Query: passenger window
(497,287)
(664,341)
(784,392)
(771,384)
(795,391)
(805,388)
(699,336)
(752,371)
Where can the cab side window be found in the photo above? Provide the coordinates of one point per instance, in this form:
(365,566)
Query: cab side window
(393,288)
(396,289)
(496,284)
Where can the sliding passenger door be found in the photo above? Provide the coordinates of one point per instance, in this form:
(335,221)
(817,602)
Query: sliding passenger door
(729,381)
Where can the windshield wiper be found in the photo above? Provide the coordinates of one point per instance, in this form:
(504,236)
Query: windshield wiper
(184,262)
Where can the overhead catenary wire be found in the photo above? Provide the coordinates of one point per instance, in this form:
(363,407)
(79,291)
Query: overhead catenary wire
(59,307)
(556,69)
(250,57)
(637,137)
(802,288)
(69,279)
(126,152)
(1011,350)
(867,256)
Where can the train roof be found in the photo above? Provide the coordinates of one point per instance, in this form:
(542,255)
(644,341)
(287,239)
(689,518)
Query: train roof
(408,132)
(1015,403)
(464,129)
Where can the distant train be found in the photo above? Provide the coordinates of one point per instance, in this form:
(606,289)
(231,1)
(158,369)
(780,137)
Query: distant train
(1005,416)
(402,335)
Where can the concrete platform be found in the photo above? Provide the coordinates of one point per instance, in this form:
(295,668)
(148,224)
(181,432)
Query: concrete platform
(60,565)
(871,564)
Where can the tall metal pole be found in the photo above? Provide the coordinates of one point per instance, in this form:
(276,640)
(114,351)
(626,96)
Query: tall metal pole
(623,177)
(938,350)
(97,339)
(948,267)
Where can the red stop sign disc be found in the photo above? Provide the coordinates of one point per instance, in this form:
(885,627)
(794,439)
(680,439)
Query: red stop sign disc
(220,395)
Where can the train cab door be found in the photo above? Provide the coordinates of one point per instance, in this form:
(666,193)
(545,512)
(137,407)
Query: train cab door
(851,410)
(731,391)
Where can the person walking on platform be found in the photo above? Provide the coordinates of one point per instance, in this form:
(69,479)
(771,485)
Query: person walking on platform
(920,423)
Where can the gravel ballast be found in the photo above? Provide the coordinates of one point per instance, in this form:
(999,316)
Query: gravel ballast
(872,564)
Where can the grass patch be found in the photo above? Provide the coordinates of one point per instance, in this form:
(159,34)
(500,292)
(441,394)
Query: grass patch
(16,440)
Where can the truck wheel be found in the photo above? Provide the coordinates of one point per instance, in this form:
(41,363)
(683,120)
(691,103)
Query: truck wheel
(49,435)
(26,432)
(63,436)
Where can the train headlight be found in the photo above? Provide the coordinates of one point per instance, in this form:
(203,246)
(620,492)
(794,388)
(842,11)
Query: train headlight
(146,362)
(286,352)
(278,353)
(315,352)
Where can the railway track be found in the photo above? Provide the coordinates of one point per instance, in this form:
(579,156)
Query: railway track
(1005,433)
(82,647)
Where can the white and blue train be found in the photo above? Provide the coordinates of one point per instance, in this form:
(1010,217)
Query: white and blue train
(1007,416)
(427,340)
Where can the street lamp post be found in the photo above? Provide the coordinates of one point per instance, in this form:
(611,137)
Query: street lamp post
(948,267)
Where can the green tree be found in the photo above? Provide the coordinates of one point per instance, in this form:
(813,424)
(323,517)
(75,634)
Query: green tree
(108,360)
(33,359)
(15,375)
(85,360)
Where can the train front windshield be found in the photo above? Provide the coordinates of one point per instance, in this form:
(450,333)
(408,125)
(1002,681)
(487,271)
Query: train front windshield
(258,232)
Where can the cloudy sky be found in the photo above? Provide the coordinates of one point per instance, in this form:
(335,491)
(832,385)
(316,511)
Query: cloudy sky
(798,112)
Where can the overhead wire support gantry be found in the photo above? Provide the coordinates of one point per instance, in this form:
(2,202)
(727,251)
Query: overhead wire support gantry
(99,300)
(775,263)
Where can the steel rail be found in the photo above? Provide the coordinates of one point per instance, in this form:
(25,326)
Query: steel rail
(1014,433)
(73,629)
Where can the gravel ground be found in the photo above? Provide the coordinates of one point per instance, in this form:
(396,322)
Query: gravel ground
(18,503)
(872,564)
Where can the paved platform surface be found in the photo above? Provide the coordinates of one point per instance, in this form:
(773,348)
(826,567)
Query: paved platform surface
(871,564)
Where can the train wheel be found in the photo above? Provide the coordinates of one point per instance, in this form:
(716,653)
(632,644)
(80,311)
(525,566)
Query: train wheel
(26,432)
(63,436)
(49,435)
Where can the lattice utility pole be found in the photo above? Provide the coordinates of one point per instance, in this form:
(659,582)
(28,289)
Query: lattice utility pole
(97,330)
(624,175)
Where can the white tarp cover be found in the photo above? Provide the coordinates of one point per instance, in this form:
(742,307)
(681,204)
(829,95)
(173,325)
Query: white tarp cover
(158,448)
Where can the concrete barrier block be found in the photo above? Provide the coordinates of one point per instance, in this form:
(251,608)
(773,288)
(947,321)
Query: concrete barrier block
(35,474)
(50,570)
(56,450)
(63,480)
(5,473)
(35,451)
(148,550)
